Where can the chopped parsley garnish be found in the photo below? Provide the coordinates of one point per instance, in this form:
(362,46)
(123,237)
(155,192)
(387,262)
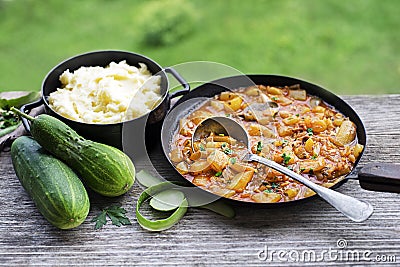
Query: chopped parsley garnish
(221,134)
(290,168)
(232,160)
(226,149)
(286,158)
(274,185)
(259,146)
(285,142)
(302,169)
(268,190)
(314,156)
(275,98)
(311,171)
(218,174)
(310,131)
(201,147)
(8,119)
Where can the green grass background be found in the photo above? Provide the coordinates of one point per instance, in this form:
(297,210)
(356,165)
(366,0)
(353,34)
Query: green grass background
(348,47)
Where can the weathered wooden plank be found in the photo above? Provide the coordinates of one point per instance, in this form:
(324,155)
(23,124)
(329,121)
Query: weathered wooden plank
(204,238)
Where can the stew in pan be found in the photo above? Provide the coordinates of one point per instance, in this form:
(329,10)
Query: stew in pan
(295,129)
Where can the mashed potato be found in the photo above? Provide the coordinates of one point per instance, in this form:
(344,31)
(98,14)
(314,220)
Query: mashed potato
(113,94)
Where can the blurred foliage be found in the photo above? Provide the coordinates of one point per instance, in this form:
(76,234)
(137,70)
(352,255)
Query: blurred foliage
(166,22)
(349,47)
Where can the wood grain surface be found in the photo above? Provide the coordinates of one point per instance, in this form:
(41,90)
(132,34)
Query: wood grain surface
(203,238)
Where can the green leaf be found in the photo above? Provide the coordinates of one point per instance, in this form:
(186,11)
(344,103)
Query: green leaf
(116,215)
(17,98)
(100,220)
(146,179)
(167,200)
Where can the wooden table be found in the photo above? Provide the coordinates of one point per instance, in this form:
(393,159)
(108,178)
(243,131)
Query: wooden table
(308,231)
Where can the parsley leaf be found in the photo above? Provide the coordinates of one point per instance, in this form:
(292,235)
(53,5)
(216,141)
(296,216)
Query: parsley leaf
(218,174)
(259,146)
(116,215)
(100,220)
(8,119)
(310,131)
(232,160)
(286,158)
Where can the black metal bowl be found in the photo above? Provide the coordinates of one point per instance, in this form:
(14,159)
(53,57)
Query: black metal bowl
(110,134)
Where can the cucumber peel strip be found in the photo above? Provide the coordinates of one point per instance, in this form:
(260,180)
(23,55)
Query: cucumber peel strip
(146,179)
(163,224)
(167,200)
(153,183)
(8,130)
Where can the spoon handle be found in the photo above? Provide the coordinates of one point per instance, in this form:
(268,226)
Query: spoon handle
(353,208)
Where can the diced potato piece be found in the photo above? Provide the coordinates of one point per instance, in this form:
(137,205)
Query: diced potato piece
(200,180)
(240,180)
(318,109)
(233,104)
(199,167)
(260,130)
(300,152)
(309,193)
(298,94)
(338,122)
(218,160)
(291,192)
(312,165)
(357,150)
(318,125)
(176,155)
(284,114)
(214,144)
(241,167)
(217,105)
(225,139)
(282,100)
(195,156)
(224,96)
(291,120)
(199,116)
(264,197)
(253,91)
(224,192)
(274,91)
(254,130)
(346,133)
(284,130)
(309,145)
(182,168)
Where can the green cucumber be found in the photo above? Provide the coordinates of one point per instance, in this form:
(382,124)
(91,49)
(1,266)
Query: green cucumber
(105,169)
(55,189)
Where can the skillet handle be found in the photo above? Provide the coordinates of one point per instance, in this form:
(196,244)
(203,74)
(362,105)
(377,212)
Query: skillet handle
(181,80)
(383,177)
(26,109)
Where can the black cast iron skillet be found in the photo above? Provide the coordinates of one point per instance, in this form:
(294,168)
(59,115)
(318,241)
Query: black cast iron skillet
(374,176)
(110,134)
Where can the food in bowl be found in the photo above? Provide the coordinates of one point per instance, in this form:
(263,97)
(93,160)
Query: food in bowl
(103,95)
(299,131)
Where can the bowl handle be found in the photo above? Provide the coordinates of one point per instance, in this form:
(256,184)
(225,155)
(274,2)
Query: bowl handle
(26,109)
(181,80)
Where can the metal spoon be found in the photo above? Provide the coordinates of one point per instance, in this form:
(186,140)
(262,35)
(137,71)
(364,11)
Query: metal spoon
(354,209)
